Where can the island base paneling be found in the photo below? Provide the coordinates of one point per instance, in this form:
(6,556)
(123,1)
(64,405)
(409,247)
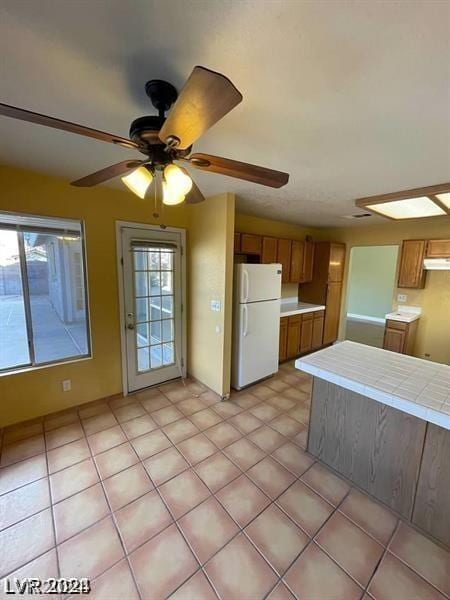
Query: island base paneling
(398,458)
(377,447)
(432,505)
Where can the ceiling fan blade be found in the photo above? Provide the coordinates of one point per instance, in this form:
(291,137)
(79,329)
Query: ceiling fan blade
(195,196)
(25,115)
(206,97)
(240,170)
(107,173)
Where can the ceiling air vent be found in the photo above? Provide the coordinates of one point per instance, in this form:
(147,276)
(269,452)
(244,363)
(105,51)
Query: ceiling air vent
(358,216)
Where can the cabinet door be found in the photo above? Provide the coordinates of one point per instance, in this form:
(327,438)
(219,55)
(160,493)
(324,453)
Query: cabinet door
(237,243)
(308,261)
(296,262)
(438,249)
(250,244)
(306,333)
(293,336)
(332,313)
(284,257)
(336,264)
(317,333)
(283,338)
(394,340)
(411,273)
(269,250)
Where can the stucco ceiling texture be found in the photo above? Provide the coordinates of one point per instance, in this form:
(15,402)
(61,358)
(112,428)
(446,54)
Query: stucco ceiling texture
(351,98)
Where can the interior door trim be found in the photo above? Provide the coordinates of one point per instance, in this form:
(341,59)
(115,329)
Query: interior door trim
(123,349)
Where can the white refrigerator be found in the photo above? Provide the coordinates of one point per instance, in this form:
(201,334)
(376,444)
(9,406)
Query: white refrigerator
(256,326)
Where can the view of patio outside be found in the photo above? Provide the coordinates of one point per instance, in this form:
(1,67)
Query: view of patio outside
(56,299)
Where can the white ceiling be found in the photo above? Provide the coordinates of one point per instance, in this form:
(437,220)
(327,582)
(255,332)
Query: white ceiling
(351,98)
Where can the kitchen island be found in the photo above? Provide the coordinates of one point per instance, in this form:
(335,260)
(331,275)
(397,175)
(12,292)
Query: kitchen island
(382,420)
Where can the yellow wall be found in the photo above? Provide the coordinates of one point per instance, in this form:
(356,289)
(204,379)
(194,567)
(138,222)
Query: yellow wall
(433,332)
(292,231)
(211,228)
(36,392)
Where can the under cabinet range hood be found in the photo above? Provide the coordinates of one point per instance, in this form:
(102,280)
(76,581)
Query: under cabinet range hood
(436,264)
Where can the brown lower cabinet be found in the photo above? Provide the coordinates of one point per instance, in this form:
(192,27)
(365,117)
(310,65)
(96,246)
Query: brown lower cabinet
(399,337)
(317,334)
(300,334)
(282,353)
(306,333)
(293,335)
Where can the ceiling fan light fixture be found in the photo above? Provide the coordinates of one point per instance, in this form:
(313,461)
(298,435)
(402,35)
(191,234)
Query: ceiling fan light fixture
(177,179)
(138,181)
(171,197)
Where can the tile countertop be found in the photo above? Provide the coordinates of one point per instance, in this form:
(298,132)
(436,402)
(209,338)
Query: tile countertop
(291,307)
(415,386)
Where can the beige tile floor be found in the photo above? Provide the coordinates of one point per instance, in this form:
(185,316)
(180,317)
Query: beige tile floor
(171,493)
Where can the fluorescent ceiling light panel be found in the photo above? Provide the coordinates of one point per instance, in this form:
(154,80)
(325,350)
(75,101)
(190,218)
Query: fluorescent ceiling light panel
(444,198)
(408,208)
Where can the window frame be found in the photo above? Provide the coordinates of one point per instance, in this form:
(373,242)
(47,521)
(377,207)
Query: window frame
(21,229)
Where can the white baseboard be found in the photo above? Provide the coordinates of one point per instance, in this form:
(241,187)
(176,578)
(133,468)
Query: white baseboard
(366,318)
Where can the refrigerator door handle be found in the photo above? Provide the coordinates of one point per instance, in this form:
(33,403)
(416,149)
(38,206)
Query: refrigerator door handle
(245,320)
(246,286)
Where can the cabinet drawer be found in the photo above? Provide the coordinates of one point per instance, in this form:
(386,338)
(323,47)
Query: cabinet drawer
(307,316)
(319,314)
(399,325)
(295,319)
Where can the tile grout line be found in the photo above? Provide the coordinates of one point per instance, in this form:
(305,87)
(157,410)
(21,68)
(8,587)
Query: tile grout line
(111,516)
(58,567)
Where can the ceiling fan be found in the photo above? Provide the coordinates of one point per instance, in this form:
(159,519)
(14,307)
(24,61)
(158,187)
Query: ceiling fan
(206,97)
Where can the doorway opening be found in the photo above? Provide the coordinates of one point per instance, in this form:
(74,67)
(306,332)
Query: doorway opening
(152,286)
(370,292)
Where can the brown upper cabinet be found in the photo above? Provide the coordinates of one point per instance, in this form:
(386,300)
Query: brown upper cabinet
(308,261)
(297,254)
(237,243)
(438,249)
(411,273)
(284,258)
(336,263)
(269,250)
(250,243)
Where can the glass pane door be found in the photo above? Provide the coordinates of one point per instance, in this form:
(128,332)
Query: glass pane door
(152,292)
(154,306)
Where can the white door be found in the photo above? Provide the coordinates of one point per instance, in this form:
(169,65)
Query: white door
(152,294)
(256,283)
(256,341)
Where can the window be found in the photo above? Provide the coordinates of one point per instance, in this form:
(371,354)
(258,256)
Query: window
(43,305)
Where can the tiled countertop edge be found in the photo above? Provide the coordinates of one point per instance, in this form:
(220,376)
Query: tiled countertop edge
(411,408)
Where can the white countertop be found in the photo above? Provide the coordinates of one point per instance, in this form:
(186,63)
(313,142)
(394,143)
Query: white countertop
(415,386)
(290,307)
(405,314)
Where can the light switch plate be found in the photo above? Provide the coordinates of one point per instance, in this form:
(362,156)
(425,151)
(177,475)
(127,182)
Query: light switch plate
(67,385)
(215,305)
(402,297)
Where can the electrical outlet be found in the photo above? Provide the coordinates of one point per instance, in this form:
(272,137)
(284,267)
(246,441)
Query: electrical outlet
(66,385)
(402,297)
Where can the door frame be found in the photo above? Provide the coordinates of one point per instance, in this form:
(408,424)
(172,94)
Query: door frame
(120,278)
